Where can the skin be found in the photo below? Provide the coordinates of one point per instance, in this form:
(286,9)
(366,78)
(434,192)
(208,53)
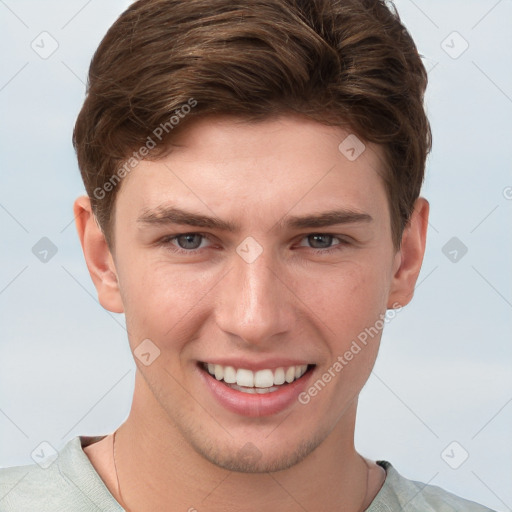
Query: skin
(179,448)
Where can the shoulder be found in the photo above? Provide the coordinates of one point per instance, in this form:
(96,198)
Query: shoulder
(67,483)
(399,493)
(34,487)
(24,487)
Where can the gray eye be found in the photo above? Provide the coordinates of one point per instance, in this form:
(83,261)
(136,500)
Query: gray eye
(320,241)
(189,240)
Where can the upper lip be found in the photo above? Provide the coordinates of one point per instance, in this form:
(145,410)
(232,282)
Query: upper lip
(250,364)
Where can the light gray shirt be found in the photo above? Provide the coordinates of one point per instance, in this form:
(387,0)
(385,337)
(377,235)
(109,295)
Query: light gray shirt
(71,484)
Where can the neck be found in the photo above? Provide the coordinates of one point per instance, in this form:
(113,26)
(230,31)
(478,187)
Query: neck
(157,469)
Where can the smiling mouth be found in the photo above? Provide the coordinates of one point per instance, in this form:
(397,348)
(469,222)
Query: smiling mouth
(257,382)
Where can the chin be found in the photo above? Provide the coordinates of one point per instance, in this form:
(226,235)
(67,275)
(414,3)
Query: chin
(251,459)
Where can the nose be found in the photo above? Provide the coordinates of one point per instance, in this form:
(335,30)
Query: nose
(254,304)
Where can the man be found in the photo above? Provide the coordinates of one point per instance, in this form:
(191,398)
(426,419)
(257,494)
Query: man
(253,172)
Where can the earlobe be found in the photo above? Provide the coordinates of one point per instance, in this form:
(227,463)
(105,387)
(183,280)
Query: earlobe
(410,256)
(97,255)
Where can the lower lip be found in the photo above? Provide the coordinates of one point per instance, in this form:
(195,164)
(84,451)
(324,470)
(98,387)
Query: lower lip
(255,405)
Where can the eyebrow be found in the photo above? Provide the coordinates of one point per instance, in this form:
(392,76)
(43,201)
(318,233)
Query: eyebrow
(327,218)
(164,215)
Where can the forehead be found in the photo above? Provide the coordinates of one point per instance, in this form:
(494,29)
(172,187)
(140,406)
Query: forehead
(229,165)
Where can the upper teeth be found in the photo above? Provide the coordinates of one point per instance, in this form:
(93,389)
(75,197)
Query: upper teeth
(259,379)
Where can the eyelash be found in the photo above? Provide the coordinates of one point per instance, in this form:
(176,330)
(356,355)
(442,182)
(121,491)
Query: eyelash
(167,242)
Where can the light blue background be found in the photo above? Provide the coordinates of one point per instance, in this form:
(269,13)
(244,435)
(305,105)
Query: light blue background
(444,371)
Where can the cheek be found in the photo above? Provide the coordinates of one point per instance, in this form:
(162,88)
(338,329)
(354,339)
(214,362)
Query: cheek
(350,303)
(159,303)
(348,300)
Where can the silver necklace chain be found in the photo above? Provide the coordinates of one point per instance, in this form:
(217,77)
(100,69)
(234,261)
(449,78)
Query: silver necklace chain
(123,504)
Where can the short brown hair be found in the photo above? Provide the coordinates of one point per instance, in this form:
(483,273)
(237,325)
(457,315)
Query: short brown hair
(339,62)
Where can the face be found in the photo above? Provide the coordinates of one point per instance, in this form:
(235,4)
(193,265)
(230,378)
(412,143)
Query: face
(259,253)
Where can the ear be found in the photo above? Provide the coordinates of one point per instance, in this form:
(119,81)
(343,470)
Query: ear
(409,258)
(98,257)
